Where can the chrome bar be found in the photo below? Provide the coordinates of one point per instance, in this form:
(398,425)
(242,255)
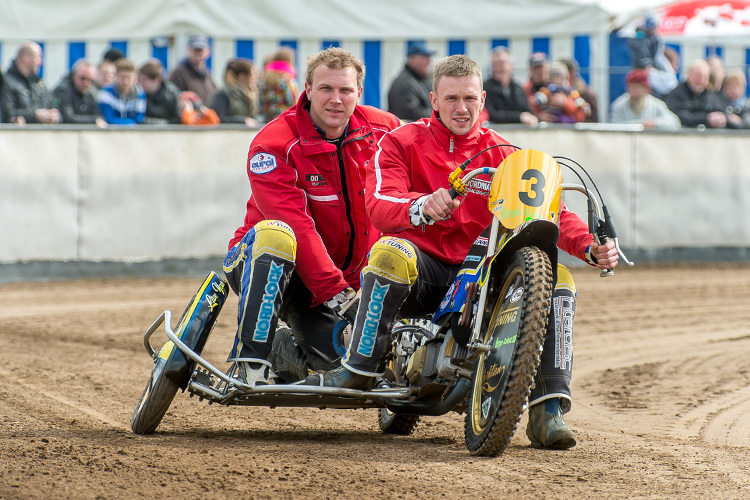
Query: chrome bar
(277,389)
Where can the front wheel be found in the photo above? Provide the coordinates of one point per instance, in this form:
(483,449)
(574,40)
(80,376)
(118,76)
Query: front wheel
(503,376)
(154,402)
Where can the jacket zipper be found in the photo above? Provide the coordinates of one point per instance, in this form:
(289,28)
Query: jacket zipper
(347,203)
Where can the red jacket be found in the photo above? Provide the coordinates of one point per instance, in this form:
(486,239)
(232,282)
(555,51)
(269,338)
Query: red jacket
(295,177)
(416,159)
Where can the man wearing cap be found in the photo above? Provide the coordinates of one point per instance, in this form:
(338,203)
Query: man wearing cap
(192,73)
(637,105)
(409,96)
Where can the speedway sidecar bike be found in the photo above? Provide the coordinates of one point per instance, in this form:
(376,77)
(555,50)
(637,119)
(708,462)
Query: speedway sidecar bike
(477,355)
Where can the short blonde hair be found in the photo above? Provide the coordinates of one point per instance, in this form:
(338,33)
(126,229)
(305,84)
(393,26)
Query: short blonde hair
(736,75)
(335,58)
(457,65)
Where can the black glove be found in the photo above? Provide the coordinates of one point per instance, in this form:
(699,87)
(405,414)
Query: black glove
(345,304)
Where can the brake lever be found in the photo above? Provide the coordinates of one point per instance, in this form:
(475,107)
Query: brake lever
(605,231)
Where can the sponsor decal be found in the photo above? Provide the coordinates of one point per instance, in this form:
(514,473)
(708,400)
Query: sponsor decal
(517,294)
(494,371)
(473,258)
(219,287)
(486,408)
(478,186)
(278,223)
(213,301)
(372,319)
(564,308)
(265,314)
(507,316)
(316,180)
(395,243)
(481,241)
(501,342)
(447,298)
(262,163)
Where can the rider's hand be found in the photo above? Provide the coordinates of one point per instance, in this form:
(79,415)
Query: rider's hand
(604,256)
(345,304)
(439,205)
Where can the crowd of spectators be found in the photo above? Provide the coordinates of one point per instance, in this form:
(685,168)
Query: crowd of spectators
(116,92)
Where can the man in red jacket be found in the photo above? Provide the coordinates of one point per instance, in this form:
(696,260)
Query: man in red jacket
(306,233)
(413,265)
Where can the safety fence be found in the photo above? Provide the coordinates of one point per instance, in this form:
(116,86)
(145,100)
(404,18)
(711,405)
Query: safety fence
(86,196)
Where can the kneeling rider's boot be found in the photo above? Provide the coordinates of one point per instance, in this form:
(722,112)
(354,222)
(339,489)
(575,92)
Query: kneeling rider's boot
(341,377)
(547,428)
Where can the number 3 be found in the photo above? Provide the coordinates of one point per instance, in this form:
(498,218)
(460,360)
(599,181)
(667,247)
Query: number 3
(536,187)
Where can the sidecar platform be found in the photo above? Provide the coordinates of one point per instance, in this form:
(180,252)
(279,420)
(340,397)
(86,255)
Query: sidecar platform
(210,383)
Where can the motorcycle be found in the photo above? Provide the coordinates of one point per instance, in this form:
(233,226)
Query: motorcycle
(478,353)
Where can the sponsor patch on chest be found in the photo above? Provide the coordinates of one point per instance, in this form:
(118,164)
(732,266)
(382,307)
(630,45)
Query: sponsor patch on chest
(316,180)
(262,163)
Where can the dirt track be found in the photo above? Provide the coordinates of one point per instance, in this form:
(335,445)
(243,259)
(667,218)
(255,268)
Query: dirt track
(661,406)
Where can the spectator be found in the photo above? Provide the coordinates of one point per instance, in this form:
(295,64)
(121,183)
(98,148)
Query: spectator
(74,97)
(558,102)
(579,85)
(663,81)
(694,103)
(123,102)
(637,105)
(105,74)
(646,46)
(538,79)
(162,103)
(194,112)
(113,55)
(716,73)
(237,102)
(278,86)
(25,98)
(192,73)
(734,100)
(506,101)
(409,96)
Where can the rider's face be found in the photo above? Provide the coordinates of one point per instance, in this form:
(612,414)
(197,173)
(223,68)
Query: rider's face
(333,95)
(458,100)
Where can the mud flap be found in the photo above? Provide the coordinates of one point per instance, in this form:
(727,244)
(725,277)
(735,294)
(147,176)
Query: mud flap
(194,327)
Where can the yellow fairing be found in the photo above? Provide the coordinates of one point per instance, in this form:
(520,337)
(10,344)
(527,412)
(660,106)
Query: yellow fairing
(526,186)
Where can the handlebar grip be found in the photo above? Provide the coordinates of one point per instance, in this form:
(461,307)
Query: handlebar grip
(453,193)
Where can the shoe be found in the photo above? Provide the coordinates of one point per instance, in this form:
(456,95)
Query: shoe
(341,377)
(254,374)
(287,358)
(547,428)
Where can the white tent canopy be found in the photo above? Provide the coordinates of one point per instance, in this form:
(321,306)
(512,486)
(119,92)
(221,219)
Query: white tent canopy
(63,19)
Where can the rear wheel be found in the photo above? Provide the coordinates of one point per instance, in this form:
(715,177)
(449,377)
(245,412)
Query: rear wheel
(503,376)
(154,402)
(397,423)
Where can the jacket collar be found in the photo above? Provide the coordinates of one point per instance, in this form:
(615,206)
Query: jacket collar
(444,136)
(13,70)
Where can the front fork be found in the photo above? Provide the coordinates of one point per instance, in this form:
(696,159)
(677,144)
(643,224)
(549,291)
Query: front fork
(476,334)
